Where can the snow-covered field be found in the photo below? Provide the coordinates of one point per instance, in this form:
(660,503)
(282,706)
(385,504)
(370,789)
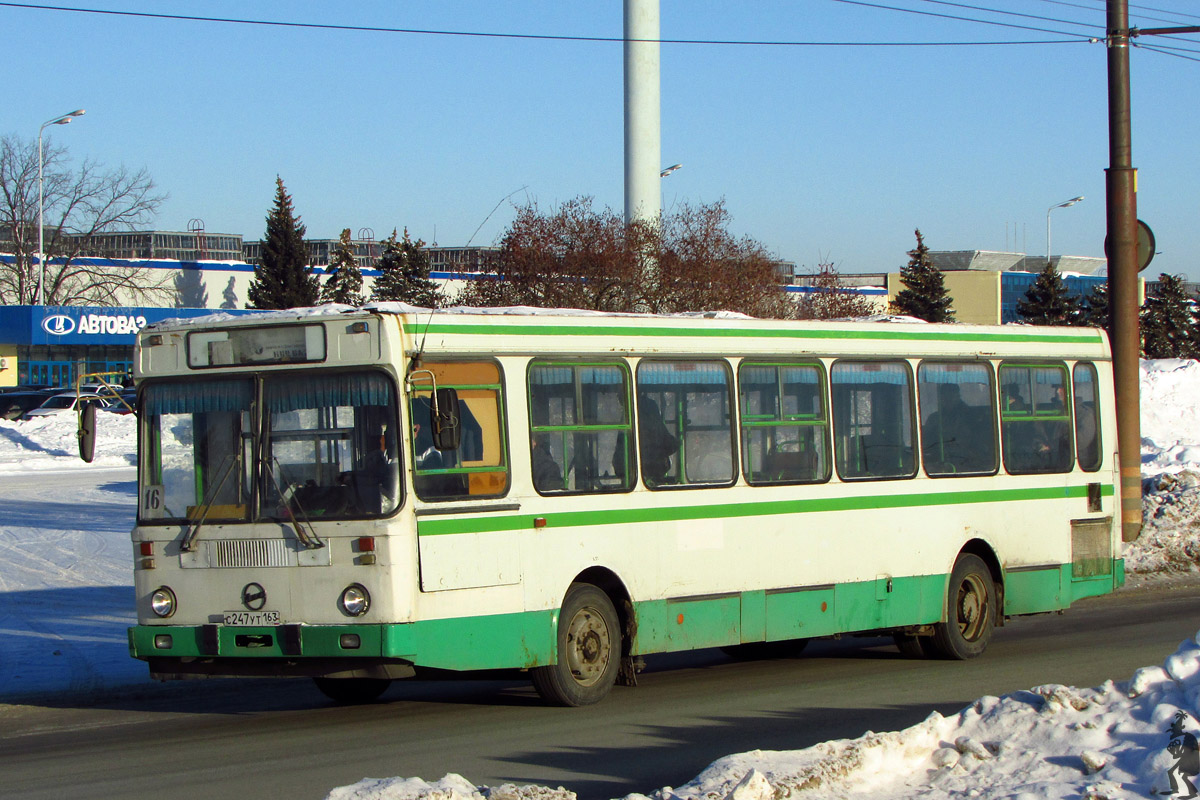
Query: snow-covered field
(65,600)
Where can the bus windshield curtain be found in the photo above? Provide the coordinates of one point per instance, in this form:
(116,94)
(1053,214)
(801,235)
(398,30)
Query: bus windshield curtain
(327,391)
(198,398)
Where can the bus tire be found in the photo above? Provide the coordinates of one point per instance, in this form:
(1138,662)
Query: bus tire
(911,646)
(352,691)
(970,611)
(589,650)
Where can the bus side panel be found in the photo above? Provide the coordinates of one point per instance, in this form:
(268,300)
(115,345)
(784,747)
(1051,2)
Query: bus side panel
(1029,591)
(495,641)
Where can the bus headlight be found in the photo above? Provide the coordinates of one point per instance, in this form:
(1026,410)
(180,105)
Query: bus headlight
(162,601)
(355,600)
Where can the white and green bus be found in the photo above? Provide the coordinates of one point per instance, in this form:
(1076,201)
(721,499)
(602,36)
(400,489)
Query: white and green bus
(358,497)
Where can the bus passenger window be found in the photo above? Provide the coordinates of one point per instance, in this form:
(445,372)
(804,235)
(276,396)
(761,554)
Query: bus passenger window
(685,423)
(1087,418)
(958,419)
(479,466)
(873,420)
(1035,418)
(785,434)
(580,427)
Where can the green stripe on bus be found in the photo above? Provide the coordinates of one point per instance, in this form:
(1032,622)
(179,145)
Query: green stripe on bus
(895,334)
(624,516)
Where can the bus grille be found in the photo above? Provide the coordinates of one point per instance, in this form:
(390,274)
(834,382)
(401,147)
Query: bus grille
(250,553)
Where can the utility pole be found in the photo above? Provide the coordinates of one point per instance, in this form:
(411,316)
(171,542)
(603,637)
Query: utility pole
(1121,196)
(643,184)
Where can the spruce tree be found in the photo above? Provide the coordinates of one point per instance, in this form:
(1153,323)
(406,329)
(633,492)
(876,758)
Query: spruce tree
(1046,302)
(344,281)
(404,274)
(281,278)
(1168,321)
(1093,310)
(925,294)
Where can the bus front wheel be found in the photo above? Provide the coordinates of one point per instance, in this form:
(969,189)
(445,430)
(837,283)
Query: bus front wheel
(589,650)
(970,611)
(352,691)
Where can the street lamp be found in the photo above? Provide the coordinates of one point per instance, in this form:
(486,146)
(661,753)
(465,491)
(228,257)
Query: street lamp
(63,120)
(1063,204)
(669,170)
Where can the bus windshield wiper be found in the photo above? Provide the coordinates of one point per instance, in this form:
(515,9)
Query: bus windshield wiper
(308,538)
(189,540)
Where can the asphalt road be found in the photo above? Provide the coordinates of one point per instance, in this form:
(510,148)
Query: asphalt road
(230,739)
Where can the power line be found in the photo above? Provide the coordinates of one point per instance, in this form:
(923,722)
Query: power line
(958,18)
(1101,9)
(1165,52)
(537,37)
(1014,14)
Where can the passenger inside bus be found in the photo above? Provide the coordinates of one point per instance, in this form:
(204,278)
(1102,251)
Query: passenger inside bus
(547,472)
(656,442)
(430,478)
(374,483)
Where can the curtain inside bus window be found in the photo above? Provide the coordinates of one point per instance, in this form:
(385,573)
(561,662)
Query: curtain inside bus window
(331,446)
(197,447)
(1035,418)
(1087,418)
(685,418)
(784,430)
(958,419)
(872,419)
(479,466)
(580,428)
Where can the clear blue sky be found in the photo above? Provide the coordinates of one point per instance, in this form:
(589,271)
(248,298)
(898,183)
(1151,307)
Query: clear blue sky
(835,152)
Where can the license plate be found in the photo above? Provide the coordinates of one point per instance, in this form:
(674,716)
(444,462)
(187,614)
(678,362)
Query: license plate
(250,619)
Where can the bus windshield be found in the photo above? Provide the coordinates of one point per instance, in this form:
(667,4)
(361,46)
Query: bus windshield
(317,446)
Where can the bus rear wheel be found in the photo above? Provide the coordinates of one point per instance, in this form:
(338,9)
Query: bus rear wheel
(970,611)
(589,650)
(352,691)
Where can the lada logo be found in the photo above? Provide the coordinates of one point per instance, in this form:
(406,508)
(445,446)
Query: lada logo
(254,596)
(58,324)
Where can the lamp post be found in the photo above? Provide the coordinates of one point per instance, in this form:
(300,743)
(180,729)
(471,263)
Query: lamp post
(662,193)
(63,120)
(1063,204)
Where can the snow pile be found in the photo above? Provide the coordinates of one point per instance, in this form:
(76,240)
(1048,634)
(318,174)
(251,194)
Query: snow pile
(1051,742)
(1170,421)
(1170,415)
(451,787)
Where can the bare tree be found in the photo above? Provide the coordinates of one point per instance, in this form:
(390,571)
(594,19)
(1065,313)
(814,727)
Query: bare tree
(703,267)
(79,203)
(827,298)
(578,257)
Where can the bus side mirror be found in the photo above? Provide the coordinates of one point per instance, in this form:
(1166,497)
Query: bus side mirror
(444,420)
(87,431)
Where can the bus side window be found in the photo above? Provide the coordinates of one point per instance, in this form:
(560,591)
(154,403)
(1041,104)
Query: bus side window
(958,418)
(478,467)
(580,427)
(785,433)
(685,423)
(1087,418)
(1035,418)
(873,419)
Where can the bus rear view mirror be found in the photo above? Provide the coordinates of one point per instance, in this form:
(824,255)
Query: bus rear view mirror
(87,431)
(444,420)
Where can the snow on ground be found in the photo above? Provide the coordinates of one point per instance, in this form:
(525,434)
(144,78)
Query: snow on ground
(1049,742)
(65,600)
